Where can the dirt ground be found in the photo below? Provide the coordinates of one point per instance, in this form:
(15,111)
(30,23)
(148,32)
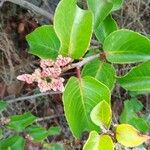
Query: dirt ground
(15,24)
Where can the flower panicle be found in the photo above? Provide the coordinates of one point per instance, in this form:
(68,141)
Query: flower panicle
(48,76)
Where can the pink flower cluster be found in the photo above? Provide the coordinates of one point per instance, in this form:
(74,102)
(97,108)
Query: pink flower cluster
(48,76)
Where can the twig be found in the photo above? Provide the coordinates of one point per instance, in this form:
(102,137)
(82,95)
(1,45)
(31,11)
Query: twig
(31,7)
(81,63)
(32,96)
(49,117)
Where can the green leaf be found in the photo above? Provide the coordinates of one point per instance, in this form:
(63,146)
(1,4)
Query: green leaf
(105,28)
(125,46)
(97,142)
(79,98)
(12,143)
(100,9)
(128,136)
(54,130)
(140,123)
(1,133)
(138,79)
(43,42)
(101,114)
(20,122)
(117,4)
(3,105)
(128,115)
(38,133)
(53,146)
(102,71)
(70,22)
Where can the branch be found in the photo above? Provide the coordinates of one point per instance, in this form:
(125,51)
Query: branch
(49,117)
(32,96)
(31,7)
(81,63)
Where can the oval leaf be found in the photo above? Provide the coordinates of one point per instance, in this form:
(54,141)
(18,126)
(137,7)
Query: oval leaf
(92,142)
(128,136)
(97,142)
(129,115)
(105,28)
(101,114)
(38,133)
(13,143)
(100,9)
(117,4)
(54,130)
(125,46)
(79,98)
(69,22)
(3,105)
(106,143)
(20,122)
(102,71)
(138,79)
(43,42)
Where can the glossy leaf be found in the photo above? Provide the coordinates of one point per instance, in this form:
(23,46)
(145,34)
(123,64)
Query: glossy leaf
(128,136)
(97,142)
(100,9)
(129,115)
(105,28)
(20,122)
(138,79)
(117,4)
(102,71)
(106,143)
(73,27)
(43,42)
(125,46)
(12,143)
(102,114)
(3,105)
(92,142)
(79,98)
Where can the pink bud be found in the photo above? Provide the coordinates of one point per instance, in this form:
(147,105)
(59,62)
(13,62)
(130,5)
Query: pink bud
(53,72)
(57,84)
(37,75)
(62,61)
(27,78)
(46,63)
(44,86)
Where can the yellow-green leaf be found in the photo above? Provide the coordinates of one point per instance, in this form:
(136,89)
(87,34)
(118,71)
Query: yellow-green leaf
(102,114)
(98,142)
(129,136)
(106,143)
